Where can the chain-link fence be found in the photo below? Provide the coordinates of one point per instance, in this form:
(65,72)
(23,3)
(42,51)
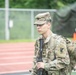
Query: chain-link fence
(20,25)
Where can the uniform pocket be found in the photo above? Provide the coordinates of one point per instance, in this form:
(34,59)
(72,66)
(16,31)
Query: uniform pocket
(53,72)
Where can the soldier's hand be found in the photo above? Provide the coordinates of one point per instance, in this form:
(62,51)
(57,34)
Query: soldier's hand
(40,65)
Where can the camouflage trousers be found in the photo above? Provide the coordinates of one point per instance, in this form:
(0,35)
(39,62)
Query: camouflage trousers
(56,73)
(53,72)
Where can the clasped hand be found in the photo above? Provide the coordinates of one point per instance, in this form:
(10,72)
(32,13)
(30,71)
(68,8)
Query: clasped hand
(40,65)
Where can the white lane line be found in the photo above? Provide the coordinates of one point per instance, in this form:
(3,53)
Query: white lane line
(17,57)
(18,71)
(16,52)
(16,48)
(16,63)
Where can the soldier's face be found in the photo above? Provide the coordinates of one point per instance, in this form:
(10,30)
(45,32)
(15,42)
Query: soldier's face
(42,29)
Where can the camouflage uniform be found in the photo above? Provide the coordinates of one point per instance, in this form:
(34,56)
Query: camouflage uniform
(55,55)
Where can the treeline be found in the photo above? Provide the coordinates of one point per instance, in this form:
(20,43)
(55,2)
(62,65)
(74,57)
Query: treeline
(37,4)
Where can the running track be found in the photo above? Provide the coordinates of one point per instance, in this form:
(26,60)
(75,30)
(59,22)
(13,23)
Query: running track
(16,57)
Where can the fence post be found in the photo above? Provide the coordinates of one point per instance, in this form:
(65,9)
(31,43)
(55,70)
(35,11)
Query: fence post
(6,19)
(32,24)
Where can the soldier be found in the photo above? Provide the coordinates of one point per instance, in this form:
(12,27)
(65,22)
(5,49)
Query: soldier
(55,55)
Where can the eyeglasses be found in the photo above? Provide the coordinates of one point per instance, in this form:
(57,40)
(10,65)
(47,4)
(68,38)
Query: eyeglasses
(40,25)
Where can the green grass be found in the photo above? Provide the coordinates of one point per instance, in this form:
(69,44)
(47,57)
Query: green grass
(73,73)
(17,40)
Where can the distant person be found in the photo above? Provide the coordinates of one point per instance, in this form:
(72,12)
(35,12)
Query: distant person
(55,55)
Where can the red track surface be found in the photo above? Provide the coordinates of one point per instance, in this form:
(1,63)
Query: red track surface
(16,57)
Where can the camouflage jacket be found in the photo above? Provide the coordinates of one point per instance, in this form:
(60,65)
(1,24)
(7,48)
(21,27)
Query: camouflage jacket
(54,55)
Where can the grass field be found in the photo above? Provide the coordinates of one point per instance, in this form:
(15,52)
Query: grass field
(21,40)
(73,73)
(17,40)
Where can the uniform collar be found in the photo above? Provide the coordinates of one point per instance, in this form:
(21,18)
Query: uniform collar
(48,38)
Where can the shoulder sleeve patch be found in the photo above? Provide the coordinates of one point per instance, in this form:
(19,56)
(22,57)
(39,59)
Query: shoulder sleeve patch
(61,50)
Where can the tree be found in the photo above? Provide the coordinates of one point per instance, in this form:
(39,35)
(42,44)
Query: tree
(37,4)
(2,3)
